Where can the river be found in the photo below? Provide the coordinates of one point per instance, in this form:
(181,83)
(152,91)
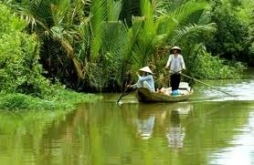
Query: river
(212,128)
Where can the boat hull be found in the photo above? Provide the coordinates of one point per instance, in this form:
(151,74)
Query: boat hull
(145,96)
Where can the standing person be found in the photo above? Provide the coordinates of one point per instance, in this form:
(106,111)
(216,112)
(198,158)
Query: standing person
(145,79)
(176,64)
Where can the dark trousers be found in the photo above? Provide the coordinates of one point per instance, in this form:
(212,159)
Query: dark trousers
(175,81)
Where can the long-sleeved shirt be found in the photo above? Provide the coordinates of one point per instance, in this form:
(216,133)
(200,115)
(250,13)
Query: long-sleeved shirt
(176,63)
(145,79)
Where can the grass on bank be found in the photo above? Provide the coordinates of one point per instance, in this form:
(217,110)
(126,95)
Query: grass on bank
(59,99)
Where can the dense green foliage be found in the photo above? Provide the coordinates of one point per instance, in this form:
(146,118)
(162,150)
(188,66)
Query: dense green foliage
(213,66)
(20,69)
(90,45)
(229,41)
(22,85)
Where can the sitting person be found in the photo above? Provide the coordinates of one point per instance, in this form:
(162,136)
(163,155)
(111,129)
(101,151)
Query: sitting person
(145,79)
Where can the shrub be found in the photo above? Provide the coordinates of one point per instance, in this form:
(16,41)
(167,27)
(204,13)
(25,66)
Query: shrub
(22,85)
(202,64)
(20,70)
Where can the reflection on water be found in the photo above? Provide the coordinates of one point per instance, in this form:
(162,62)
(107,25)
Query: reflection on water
(145,127)
(207,130)
(133,134)
(171,115)
(175,132)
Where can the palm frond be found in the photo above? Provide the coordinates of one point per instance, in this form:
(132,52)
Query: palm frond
(130,8)
(162,7)
(59,10)
(114,9)
(148,13)
(79,11)
(188,8)
(36,14)
(192,32)
(98,15)
(168,23)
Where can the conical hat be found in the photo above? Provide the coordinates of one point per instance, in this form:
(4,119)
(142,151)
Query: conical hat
(146,69)
(175,48)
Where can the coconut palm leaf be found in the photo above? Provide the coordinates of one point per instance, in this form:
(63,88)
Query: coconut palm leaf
(157,28)
(188,8)
(143,48)
(133,35)
(191,32)
(114,9)
(60,10)
(46,18)
(98,16)
(169,22)
(130,8)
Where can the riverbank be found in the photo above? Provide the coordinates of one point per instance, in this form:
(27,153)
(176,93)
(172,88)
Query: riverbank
(58,99)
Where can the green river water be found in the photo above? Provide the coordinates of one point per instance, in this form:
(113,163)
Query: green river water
(210,129)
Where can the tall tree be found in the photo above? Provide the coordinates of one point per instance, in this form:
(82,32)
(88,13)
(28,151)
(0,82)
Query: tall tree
(228,41)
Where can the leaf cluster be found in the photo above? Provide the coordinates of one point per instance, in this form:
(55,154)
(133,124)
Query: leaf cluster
(20,70)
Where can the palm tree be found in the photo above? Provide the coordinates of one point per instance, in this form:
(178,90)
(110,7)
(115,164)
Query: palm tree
(164,26)
(52,21)
(71,33)
(88,36)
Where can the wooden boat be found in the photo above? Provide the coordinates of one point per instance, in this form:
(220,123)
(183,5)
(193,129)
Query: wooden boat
(146,96)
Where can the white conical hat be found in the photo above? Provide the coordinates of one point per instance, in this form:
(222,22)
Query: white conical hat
(175,48)
(146,69)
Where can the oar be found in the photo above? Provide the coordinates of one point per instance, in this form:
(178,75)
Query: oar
(123,94)
(206,84)
(124,91)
